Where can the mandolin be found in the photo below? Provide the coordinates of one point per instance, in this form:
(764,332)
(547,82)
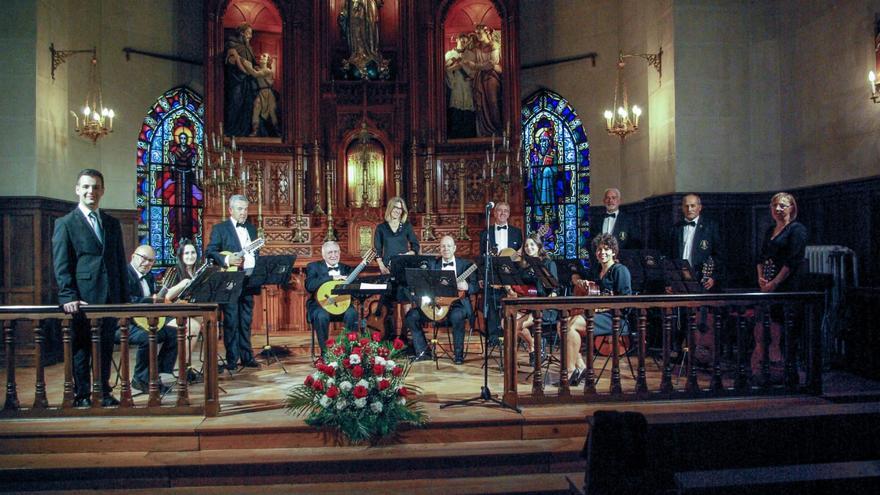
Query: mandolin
(249,249)
(704,340)
(437,309)
(337,304)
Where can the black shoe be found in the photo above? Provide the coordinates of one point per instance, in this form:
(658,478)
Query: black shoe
(139,386)
(575,377)
(250,364)
(82,402)
(532,359)
(109,401)
(193,376)
(222,368)
(458,360)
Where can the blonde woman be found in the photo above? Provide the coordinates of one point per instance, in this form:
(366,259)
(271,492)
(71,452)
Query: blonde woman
(393,237)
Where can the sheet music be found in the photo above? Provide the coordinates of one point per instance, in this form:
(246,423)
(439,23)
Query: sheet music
(374,286)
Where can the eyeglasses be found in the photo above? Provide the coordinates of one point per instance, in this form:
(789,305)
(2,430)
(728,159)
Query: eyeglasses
(148,260)
(781,205)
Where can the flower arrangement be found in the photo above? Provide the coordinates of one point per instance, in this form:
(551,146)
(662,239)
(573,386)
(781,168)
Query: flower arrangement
(357,388)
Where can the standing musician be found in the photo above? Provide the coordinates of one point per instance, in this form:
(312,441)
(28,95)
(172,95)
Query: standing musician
(615,222)
(501,236)
(317,273)
(460,310)
(232,235)
(615,280)
(534,248)
(176,280)
(142,289)
(395,236)
(696,239)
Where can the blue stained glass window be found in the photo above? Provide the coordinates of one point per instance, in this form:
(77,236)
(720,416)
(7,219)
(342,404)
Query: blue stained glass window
(557,175)
(170,198)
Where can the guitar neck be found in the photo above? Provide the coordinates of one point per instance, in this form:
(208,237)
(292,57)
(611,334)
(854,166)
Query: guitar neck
(354,273)
(465,274)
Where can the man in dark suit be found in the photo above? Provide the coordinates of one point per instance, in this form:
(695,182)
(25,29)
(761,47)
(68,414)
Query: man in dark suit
(231,236)
(142,289)
(696,239)
(615,222)
(89,259)
(500,236)
(317,273)
(459,312)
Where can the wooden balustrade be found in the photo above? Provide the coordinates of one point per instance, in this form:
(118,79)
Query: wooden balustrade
(801,345)
(43,316)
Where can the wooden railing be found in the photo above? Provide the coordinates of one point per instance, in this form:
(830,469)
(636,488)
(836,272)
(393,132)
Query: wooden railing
(40,317)
(801,350)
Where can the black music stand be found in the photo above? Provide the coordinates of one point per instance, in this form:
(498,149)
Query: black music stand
(271,270)
(357,292)
(217,287)
(427,286)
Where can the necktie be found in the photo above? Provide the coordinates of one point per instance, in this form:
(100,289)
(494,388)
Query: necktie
(451,263)
(501,227)
(611,215)
(96,225)
(691,223)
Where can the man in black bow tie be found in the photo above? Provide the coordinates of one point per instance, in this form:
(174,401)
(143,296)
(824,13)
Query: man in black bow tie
(142,289)
(615,222)
(501,236)
(696,239)
(459,312)
(232,235)
(318,272)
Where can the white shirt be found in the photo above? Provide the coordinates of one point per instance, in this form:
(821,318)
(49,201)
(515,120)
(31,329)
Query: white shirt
(95,227)
(145,287)
(244,239)
(333,272)
(447,267)
(608,222)
(687,239)
(501,236)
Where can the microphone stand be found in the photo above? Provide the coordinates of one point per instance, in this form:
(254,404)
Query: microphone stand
(485,393)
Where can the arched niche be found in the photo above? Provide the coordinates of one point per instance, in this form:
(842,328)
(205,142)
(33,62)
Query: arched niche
(365,158)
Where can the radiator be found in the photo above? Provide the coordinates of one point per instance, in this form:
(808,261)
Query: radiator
(842,264)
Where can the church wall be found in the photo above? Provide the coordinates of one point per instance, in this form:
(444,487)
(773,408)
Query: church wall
(829,125)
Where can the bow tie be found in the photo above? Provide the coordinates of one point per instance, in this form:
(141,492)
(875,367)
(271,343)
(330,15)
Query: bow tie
(451,263)
(610,215)
(237,225)
(501,227)
(334,267)
(691,223)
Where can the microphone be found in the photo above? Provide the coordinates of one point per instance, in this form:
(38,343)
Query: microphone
(490,205)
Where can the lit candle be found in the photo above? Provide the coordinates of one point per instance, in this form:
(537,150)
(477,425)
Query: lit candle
(608,117)
(233,143)
(221,131)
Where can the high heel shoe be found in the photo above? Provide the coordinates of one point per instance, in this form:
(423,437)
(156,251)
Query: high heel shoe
(575,377)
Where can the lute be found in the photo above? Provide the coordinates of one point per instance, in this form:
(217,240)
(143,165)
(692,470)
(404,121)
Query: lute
(438,308)
(336,304)
(249,249)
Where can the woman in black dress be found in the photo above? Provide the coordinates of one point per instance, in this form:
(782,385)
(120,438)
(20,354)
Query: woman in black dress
(177,279)
(780,268)
(534,248)
(394,237)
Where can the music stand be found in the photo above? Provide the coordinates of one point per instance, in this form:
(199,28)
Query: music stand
(271,270)
(433,288)
(217,287)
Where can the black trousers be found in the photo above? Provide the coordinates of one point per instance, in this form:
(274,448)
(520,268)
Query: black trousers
(82,354)
(320,320)
(416,320)
(166,338)
(237,330)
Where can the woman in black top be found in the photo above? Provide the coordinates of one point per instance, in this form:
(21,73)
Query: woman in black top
(393,237)
(179,279)
(780,268)
(614,280)
(534,248)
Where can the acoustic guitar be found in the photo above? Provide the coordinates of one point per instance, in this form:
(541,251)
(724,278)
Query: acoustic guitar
(249,249)
(437,309)
(336,304)
(704,340)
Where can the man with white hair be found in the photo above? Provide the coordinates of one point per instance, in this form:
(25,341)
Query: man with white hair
(317,273)
(615,222)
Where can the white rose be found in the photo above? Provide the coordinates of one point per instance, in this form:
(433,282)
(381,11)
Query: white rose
(326,401)
(341,404)
(360,403)
(363,383)
(331,381)
(345,386)
(380,360)
(334,364)
(389,365)
(376,407)
(354,359)
(402,401)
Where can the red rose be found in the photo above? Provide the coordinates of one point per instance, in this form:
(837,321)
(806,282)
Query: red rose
(398,344)
(330,342)
(383,384)
(364,341)
(346,362)
(403,392)
(330,371)
(338,350)
(318,385)
(377,336)
(383,351)
(378,369)
(396,371)
(359,392)
(332,392)
(357,371)
(309,381)
(357,350)
(352,336)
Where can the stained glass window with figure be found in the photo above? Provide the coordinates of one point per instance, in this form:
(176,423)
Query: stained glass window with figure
(170,149)
(556,175)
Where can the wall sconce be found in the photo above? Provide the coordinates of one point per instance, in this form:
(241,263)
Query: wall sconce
(875,87)
(618,122)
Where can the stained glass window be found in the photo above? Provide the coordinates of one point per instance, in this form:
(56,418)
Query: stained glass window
(557,175)
(169,196)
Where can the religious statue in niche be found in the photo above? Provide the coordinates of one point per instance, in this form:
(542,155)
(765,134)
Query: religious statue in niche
(359,23)
(542,163)
(177,185)
(250,101)
(473,81)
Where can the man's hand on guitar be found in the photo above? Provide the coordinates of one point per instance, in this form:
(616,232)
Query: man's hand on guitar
(235,259)
(708,283)
(462,286)
(73,306)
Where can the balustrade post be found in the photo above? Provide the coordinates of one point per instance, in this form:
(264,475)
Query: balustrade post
(125,400)
(155,397)
(509,357)
(791,378)
(642,379)
(741,382)
(564,390)
(538,377)
(40,399)
(765,338)
(692,385)
(716,384)
(182,355)
(666,381)
(615,357)
(9,342)
(590,380)
(814,354)
(212,387)
(97,379)
(67,344)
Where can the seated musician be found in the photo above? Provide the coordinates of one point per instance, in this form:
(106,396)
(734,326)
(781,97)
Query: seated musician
(142,288)
(178,278)
(614,279)
(459,312)
(534,248)
(318,272)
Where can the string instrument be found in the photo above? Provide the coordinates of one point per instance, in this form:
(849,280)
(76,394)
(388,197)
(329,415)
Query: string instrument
(167,279)
(249,249)
(336,304)
(769,269)
(513,253)
(439,307)
(704,340)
